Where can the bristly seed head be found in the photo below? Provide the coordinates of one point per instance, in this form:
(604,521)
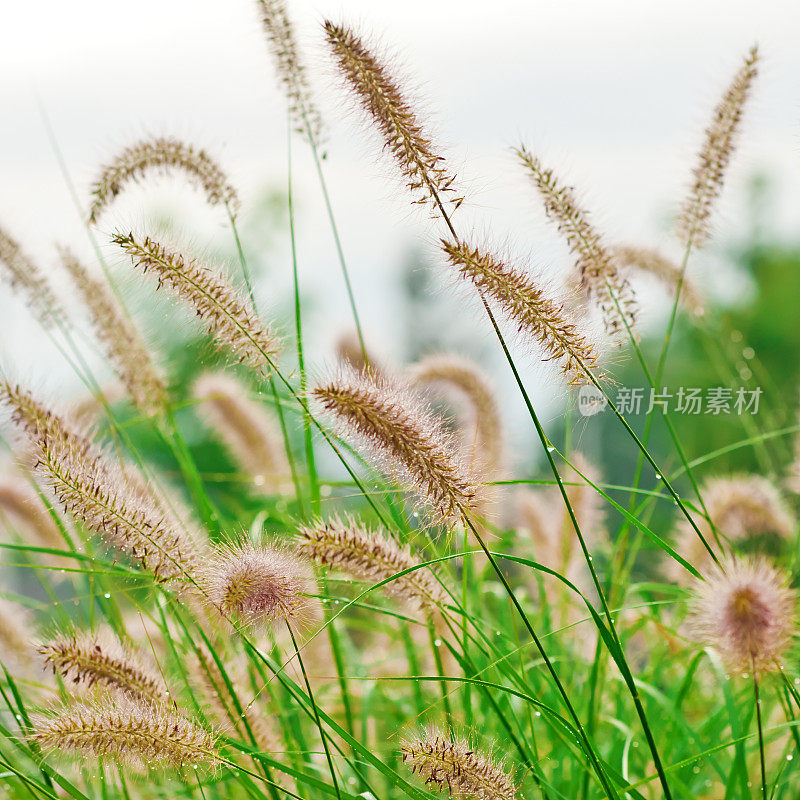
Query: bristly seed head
(102,659)
(382,100)
(24,276)
(214,301)
(600,277)
(291,70)
(528,307)
(747,612)
(256,584)
(694,223)
(404,436)
(161,155)
(370,555)
(135,734)
(123,344)
(452,764)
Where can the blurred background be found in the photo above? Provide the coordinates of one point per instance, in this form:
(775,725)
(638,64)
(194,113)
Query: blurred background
(614,96)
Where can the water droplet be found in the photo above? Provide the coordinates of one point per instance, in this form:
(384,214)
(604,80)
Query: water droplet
(107,595)
(437,642)
(789,757)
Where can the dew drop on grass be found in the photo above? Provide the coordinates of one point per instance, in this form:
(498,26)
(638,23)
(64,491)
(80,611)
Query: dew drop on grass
(437,642)
(107,595)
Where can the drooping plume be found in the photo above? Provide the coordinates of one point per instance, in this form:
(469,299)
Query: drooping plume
(482,431)
(747,612)
(384,103)
(161,155)
(457,767)
(741,507)
(370,555)
(600,276)
(100,495)
(654,263)
(122,342)
(404,436)
(101,659)
(694,223)
(26,278)
(256,584)
(245,427)
(528,307)
(38,421)
(290,68)
(136,734)
(215,302)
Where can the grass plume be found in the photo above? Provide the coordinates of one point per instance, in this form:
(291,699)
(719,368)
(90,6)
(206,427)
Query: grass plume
(528,307)
(370,555)
(381,98)
(599,273)
(161,155)
(214,301)
(136,734)
(404,436)
(694,222)
(120,338)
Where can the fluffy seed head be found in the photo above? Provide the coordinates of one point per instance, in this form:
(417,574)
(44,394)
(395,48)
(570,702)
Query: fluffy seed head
(369,555)
(100,496)
(38,421)
(402,434)
(135,734)
(102,659)
(746,611)
(651,261)
(246,429)
(221,308)
(384,104)
(123,344)
(600,277)
(484,436)
(694,223)
(25,277)
(256,584)
(290,68)
(454,765)
(163,155)
(528,307)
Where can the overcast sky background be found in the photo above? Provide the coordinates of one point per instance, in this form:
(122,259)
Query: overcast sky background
(613,94)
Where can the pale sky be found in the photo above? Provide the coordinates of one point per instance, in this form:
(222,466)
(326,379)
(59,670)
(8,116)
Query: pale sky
(613,94)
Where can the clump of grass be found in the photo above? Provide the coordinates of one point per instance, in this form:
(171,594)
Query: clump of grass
(558,644)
